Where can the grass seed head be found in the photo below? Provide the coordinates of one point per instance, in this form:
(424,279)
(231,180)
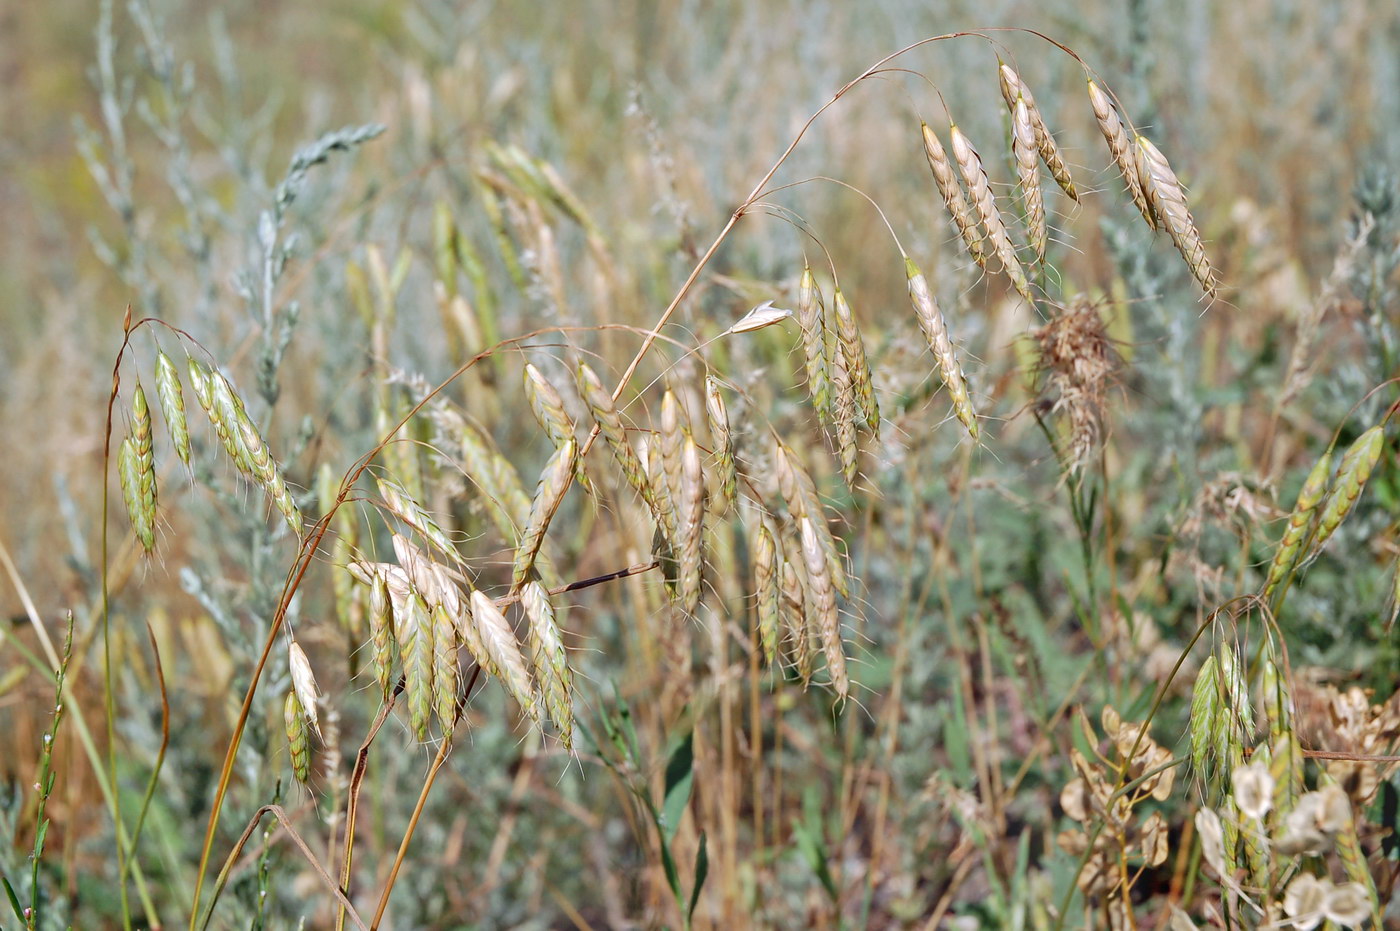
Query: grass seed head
(415,635)
(941,344)
(550,659)
(445,645)
(766,591)
(953,197)
(1012,89)
(1023,148)
(979,189)
(854,358)
(1121,148)
(823,612)
(298,743)
(692,525)
(1301,518)
(303,682)
(172,405)
(721,436)
(507,662)
(143,519)
(1076,356)
(549,493)
(1352,474)
(811,319)
(1168,199)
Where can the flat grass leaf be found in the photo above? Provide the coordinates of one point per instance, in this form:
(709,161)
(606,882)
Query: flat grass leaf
(702,870)
(680,776)
(14,899)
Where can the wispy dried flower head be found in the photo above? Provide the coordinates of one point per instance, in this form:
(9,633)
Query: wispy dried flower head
(1078,360)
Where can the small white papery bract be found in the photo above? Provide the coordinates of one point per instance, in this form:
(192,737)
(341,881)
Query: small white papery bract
(1304,899)
(1180,921)
(303,682)
(1212,839)
(763,315)
(1348,905)
(1253,789)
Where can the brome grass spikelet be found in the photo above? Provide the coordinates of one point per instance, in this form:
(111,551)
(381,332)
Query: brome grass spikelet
(550,659)
(953,196)
(936,332)
(172,405)
(979,189)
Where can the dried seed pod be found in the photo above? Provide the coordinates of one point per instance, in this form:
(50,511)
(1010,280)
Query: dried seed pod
(550,659)
(548,407)
(1120,147)
(407,509)
(936,332)
(767,591)
(953,197)
(298,743)
(1356,466)
(605,415)
(444,669)
(979,189)
(172,405)
(381,627)
(507,663)
(1013,88)
(303,682)
(1168,199)
(691,510)
(143,519)
(811,318)
(724,445)
(549,493)
(1309,496)
(415,635)
(1024,150)
(853,355)
(823,608)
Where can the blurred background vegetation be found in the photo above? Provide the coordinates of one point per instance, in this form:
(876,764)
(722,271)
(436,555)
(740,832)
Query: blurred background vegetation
(142,144)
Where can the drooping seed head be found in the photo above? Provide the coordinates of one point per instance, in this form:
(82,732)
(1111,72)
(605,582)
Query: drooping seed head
(303,682)
(1013,88)
(507,662)
(549,493)
(172,405)
(1120,147)
(766,590)
(720,433)
(953,197)
(979,189)
(550,659)
(931,321)
(298,743)
(823,607)
(811,318)
(857,365)
(1168,199)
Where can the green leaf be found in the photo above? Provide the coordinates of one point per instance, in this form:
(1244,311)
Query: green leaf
(702,870)
(680,776)
(14,899)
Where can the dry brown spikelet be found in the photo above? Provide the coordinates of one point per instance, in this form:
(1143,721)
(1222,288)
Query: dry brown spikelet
(726,478)
(936,332)
(1168,199)
(1024,150)
(692,525)
(766,590)
(953,196)
(548,407)
(1120,147)
(822,597)
(857,365)
(979,189)
(1012,88)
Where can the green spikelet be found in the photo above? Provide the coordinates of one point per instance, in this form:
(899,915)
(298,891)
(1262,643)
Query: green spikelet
(444,669)
(1299,521)
(415,635)
(298,740)
(172,405)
